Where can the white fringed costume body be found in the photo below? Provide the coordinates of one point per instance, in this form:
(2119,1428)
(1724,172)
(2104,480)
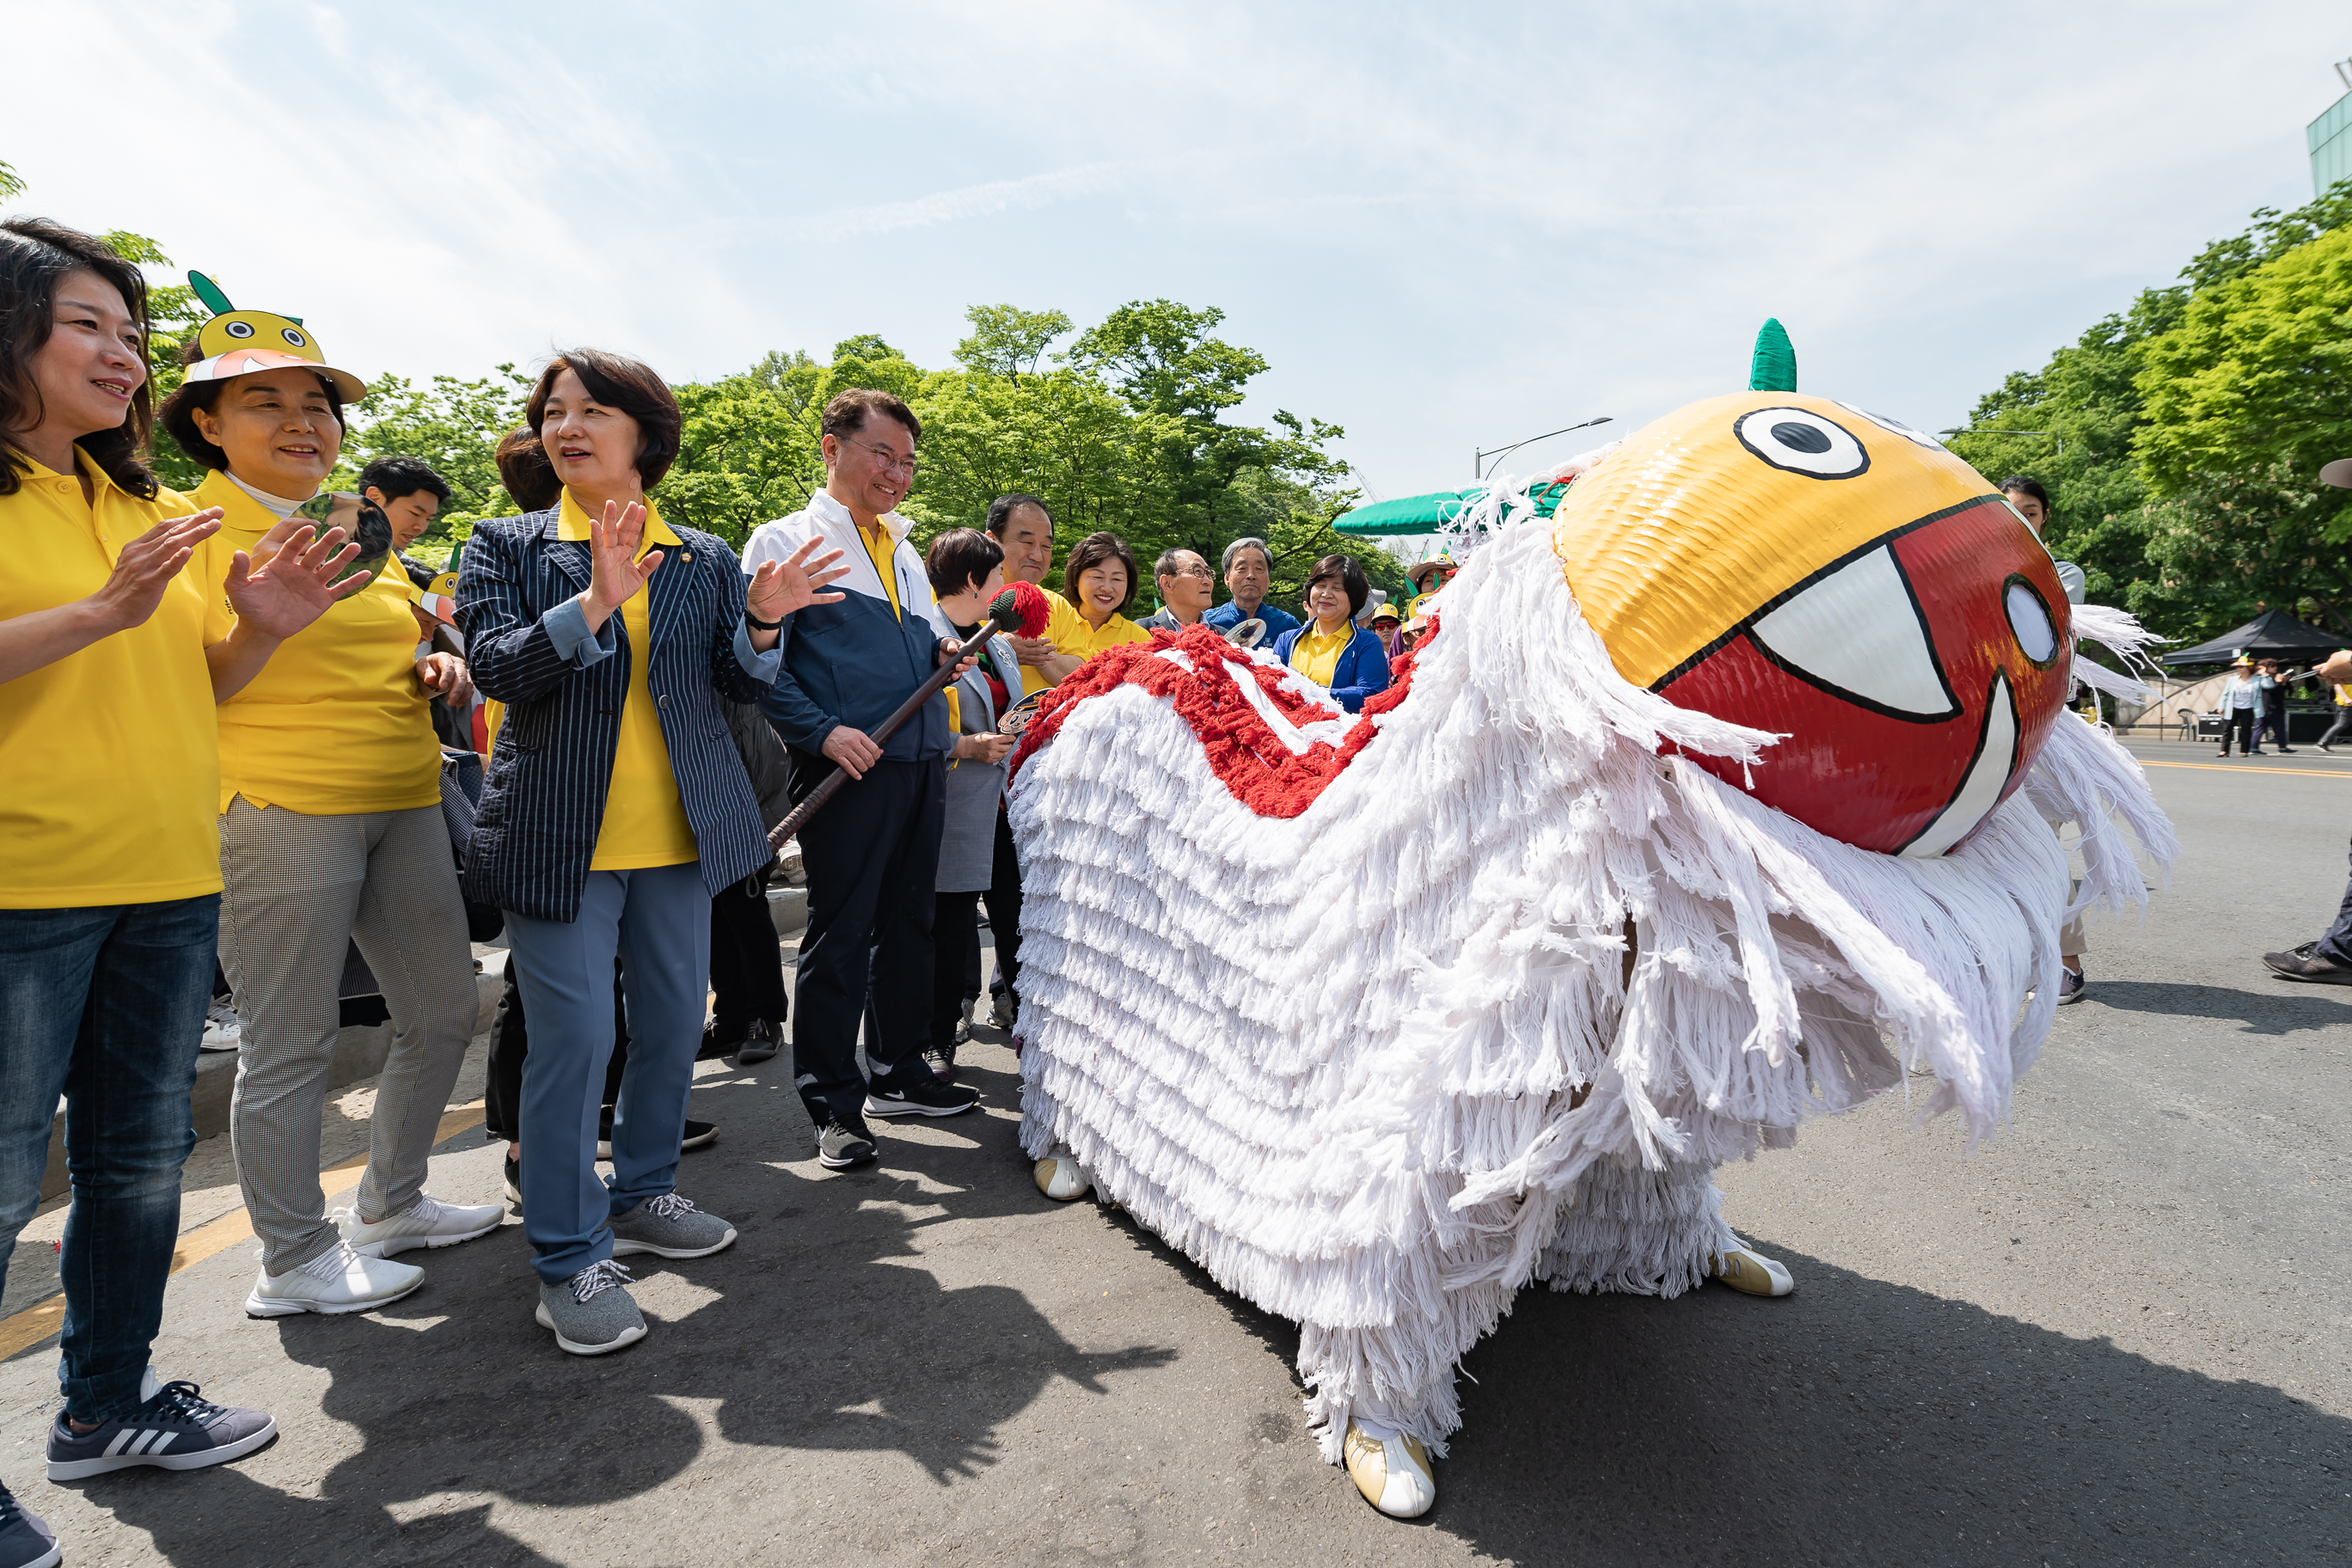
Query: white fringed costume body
(1491,1007)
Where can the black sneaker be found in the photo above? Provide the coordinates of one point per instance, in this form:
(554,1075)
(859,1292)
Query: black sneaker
(922,1100)
(713,1045)
(514,1179)
(843,1145)
(941,1062)
(759,1042)
(698,1135)
(25,1539)
(174,1430)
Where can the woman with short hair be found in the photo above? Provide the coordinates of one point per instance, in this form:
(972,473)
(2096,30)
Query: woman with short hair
(331,836)
(1331,650)
(615,809)
(1099,583)
(967,572)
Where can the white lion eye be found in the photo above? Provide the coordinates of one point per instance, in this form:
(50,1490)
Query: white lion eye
(239,329)
(1802,442)
(2029,617)
(292,336)
(1917,437)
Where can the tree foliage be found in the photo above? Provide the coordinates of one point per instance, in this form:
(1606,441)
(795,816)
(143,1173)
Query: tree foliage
(2179,437)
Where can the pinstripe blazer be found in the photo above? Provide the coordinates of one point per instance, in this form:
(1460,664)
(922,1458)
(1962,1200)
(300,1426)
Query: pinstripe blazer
(543,800)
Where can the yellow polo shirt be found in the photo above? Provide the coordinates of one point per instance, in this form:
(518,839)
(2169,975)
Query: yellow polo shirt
(1068,632)
(336,723)
(1315,654)
(884,566)
(644,821)
(113,768)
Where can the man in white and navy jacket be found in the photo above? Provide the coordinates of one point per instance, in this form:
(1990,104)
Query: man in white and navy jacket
(871,852)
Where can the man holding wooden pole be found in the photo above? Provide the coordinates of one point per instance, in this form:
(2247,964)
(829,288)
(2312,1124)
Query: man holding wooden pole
(870,852)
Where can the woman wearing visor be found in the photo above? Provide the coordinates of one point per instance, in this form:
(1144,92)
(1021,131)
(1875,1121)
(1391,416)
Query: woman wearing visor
(331,834)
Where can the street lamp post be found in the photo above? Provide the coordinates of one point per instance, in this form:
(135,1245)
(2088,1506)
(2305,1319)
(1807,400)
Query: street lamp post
(1479,458)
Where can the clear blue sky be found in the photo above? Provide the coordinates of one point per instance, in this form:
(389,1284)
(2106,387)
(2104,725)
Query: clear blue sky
(1445,225)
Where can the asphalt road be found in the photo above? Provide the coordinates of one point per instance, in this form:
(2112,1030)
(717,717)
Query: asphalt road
(2118,1334)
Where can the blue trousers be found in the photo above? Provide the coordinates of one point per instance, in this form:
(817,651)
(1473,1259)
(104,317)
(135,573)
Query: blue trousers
(658,923)
(104,1006)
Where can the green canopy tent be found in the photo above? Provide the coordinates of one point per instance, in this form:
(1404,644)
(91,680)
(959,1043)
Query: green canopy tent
(1410,515)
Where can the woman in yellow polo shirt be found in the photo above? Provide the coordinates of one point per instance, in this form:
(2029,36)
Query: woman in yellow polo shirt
(109,872)
(1331,650)
(331,834)
(1099,583)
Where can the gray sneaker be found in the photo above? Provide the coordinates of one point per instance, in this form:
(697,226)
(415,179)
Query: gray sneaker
(592,1312)
(841,1144)
(670,1227)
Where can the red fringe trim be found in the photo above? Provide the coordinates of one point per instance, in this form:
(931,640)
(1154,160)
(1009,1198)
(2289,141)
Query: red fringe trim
(1241,749)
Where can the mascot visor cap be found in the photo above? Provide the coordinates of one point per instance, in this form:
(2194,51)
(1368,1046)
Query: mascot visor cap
(239,342)
(1386,611)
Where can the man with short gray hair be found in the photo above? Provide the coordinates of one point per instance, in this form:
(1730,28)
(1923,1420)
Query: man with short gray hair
(1186,586)
(1249,570)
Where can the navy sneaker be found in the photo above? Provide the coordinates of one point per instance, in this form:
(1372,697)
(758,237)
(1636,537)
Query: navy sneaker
(174,1430)
(25,1541)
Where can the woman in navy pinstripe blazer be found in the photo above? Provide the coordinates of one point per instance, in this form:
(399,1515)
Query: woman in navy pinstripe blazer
(616,806)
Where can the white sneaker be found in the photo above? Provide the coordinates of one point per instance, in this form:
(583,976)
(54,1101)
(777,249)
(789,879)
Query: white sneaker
(337,1280)
(1061,1178)
(221,1031)
(1743,1268)
(1390,1470)
(424,1223)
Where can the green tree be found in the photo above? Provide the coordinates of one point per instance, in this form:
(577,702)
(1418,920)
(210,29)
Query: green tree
(2079,424)
(1007,341)
(453,424)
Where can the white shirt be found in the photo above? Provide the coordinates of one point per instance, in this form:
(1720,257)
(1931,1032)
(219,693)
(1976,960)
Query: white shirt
(827,518)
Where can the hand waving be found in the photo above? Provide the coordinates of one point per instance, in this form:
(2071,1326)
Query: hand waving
(780,587)
(297,582)
(147,565)
(618,575)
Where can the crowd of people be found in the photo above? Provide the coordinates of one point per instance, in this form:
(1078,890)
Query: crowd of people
(235,716)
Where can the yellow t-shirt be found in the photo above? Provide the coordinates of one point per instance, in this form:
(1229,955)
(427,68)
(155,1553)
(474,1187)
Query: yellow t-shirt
(881,554)
(1315,654)
(113,767)
(644,821)
(335,724)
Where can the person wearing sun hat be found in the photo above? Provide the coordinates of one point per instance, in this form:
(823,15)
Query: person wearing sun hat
(331,834)
(2242,699)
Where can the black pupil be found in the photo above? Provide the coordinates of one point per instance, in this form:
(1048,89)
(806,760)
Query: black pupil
(1800,437)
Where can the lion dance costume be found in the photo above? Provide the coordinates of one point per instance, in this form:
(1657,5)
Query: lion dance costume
(1714,800)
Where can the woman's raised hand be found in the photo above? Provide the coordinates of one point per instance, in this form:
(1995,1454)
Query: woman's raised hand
(147,565)
(297,585)
(618,575)
(780,587)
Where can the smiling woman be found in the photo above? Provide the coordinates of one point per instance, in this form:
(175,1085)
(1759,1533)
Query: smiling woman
(109,869)
(331,834)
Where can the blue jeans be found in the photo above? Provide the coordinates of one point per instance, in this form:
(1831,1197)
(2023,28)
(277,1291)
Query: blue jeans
(104,1006)
(658,923)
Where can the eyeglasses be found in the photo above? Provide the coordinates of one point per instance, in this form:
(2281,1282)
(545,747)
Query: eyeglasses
(891,462)
(1202,573)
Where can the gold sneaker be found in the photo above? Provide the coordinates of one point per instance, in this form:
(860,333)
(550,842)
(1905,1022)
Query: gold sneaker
(1392,1473)
(1060,1179)
(1743,1269)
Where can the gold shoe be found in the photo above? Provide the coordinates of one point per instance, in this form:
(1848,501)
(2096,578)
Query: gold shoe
(1753,1272)
(1060,1179)
(1392,1473)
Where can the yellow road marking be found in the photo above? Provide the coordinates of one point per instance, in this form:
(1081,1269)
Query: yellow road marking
(2225,768)
(38,1322)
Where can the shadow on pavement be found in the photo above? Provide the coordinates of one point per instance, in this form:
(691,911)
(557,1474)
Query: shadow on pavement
(810,1332)
(1860,1422)
(2279,1007)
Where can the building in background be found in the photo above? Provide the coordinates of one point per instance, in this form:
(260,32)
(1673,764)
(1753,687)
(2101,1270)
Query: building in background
(2330,137)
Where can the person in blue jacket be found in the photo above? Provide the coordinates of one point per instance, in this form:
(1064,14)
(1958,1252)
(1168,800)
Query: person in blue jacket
(872,851)
(1332,650)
